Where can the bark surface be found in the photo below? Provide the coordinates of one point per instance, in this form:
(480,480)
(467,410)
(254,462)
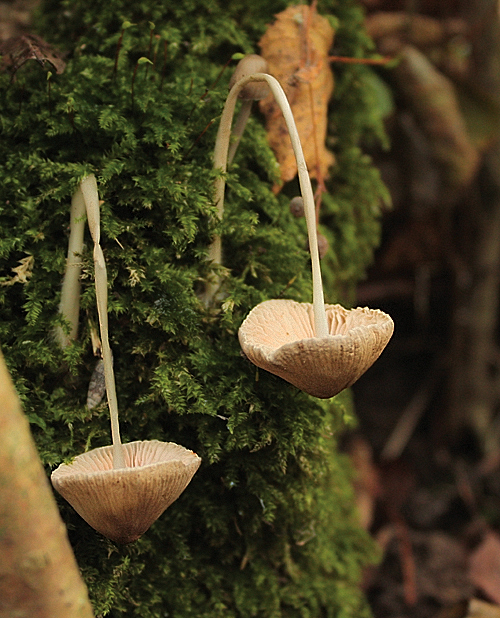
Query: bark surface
(39,577)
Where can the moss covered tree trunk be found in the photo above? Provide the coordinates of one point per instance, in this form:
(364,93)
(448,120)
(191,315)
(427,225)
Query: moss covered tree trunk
(267,526)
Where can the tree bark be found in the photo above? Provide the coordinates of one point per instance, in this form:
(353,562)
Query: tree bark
(39,577)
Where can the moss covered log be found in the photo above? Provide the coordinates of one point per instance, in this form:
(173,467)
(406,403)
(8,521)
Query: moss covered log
(267,526)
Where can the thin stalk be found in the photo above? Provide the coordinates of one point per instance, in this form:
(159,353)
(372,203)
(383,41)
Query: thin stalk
(239,128)
(117,52)
(91,197)
(69,306)
(220,162)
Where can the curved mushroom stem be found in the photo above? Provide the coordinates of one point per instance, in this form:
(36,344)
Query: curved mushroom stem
(91,197)
(69,306)
(239,128)
(220,162)
(256,91)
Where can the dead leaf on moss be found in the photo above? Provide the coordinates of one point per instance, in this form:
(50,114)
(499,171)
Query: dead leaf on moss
(22,272)
(16,51)
(296,48)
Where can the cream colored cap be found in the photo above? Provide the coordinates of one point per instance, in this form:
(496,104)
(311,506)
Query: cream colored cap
(122,503)
(278,336)
(248,65)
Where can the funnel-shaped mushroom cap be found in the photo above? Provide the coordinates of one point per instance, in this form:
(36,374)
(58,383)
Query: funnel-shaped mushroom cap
(122,503)
(278,335)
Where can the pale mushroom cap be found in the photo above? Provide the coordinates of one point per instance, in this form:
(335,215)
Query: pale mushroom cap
(278,336)
(248,65)
(122,503)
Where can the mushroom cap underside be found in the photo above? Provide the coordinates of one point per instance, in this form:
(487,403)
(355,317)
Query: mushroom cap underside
(122,503)
(278,336)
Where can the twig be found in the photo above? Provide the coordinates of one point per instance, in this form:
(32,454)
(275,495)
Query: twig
(349,60)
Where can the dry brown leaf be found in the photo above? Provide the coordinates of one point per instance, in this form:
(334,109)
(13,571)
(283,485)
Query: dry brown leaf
(296,49)
(22,272)
(18,50)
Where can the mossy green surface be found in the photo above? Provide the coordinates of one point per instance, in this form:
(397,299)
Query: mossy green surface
(267,526)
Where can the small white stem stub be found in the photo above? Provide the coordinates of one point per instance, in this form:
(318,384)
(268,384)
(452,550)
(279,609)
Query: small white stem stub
(69,306)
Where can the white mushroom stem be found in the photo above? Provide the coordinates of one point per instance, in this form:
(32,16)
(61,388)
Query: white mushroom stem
(91,197)
(256,91)
(220,162)
(239,129)
(69,306)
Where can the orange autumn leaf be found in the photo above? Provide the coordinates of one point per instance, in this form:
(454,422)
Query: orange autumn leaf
(296,48)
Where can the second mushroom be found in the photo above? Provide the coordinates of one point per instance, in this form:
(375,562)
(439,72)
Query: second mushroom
(120,490)
(321,349)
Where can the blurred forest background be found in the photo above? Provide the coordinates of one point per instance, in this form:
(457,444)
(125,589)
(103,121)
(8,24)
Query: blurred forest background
(427,447)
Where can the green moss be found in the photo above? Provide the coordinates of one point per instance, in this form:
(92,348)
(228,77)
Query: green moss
(266,528)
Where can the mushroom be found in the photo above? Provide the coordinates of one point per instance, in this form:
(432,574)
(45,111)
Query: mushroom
(120,490)
(122,503)
(319,349)
(69,306)
(278,336)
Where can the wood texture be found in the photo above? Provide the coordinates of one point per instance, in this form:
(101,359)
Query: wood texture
(39,577)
